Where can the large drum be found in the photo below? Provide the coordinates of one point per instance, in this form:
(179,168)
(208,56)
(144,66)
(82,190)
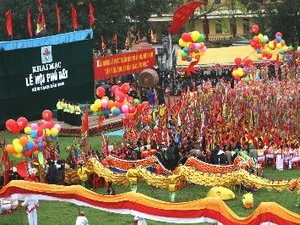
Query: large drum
(148,78)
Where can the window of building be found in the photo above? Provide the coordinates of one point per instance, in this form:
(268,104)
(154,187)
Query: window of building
(218,26)
(246,26)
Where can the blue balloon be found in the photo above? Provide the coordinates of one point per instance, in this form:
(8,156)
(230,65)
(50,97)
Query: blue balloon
(186,49)
(117,111)
(279,39)
(106,112)
(29,145)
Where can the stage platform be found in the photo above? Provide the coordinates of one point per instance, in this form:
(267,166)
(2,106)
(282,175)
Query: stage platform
(109,124)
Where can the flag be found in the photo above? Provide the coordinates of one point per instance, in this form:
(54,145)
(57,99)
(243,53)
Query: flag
(183,13)
(29,25)
(103,45)
(8,23)
(85,129)
(58,18)
(74,17)
(40,24)
(91,14)
(115,39)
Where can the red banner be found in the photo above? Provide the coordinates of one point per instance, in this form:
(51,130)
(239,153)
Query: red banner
(122,64)
(183,13)
(8,23)
(74,17)
(29,25)
(57,9)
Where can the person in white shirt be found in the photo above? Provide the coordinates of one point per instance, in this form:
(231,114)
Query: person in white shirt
(81,219)
(139,221)
(31,210)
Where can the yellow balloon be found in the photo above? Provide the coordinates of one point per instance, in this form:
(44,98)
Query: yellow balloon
(260,36)
(18,148)
(15,141)
(48,132)
(97,103)
(278,45)
(17,155)
(182,43)
(195,35)
(27,130)
(54,131)
(94,108)
(259,56)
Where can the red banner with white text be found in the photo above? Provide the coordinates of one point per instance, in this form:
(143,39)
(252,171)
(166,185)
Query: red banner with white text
(121,64)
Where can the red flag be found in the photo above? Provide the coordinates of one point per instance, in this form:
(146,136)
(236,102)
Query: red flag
(58,18)
(29,25)
(74,17)
(183,13)
(115,39)
(85,128)
(191,68)
(103,45)
(8,23)
(91,14)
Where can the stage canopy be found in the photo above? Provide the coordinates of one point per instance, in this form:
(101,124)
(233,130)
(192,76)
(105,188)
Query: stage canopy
(223,56)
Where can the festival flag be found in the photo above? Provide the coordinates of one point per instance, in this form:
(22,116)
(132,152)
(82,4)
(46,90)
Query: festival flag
(115,39)
(41,24)
(74,17)
(29,24)
(91,14)
(58,18)
(103,45)
(183,13)
(85,129)
(8,23)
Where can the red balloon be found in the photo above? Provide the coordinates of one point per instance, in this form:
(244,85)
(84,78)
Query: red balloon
(47,115)
(186,37)
(100,92)
(278,34)
(119,96)
(255,28)
(131,109)
(114,89)
(27,153)
(248,62)
(238,61)
(12,126)
(125,88)
(22,122)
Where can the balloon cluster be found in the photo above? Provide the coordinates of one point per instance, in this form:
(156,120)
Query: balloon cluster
(33,139)
(122,103)
(242,70)
(265,47)
(192,46)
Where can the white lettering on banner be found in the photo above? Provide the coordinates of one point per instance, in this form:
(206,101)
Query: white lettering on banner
(46,76)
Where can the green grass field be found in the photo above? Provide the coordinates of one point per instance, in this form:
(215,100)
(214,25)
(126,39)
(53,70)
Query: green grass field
(62,213)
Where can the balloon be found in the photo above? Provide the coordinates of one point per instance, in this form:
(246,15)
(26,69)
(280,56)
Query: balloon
(54,131)
(136,101)
(183,54)
(97,103)
(248,62)
(22,122)
(93,108)
(116,112)
(29,145)
(104,102)
(106,112)
(100,92)
(124,108)
(17,155)
(10,148)
(28,153)
(23,140)
(114,88)
(40,132)
(34,126)
(195,35)
(238,61)
(12,126)
(120,96)
(201,38)
(125,88)
(278,34)
(15,141)
(47,115)
(255,28)
(18,148)
(186,37)
(27,130)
